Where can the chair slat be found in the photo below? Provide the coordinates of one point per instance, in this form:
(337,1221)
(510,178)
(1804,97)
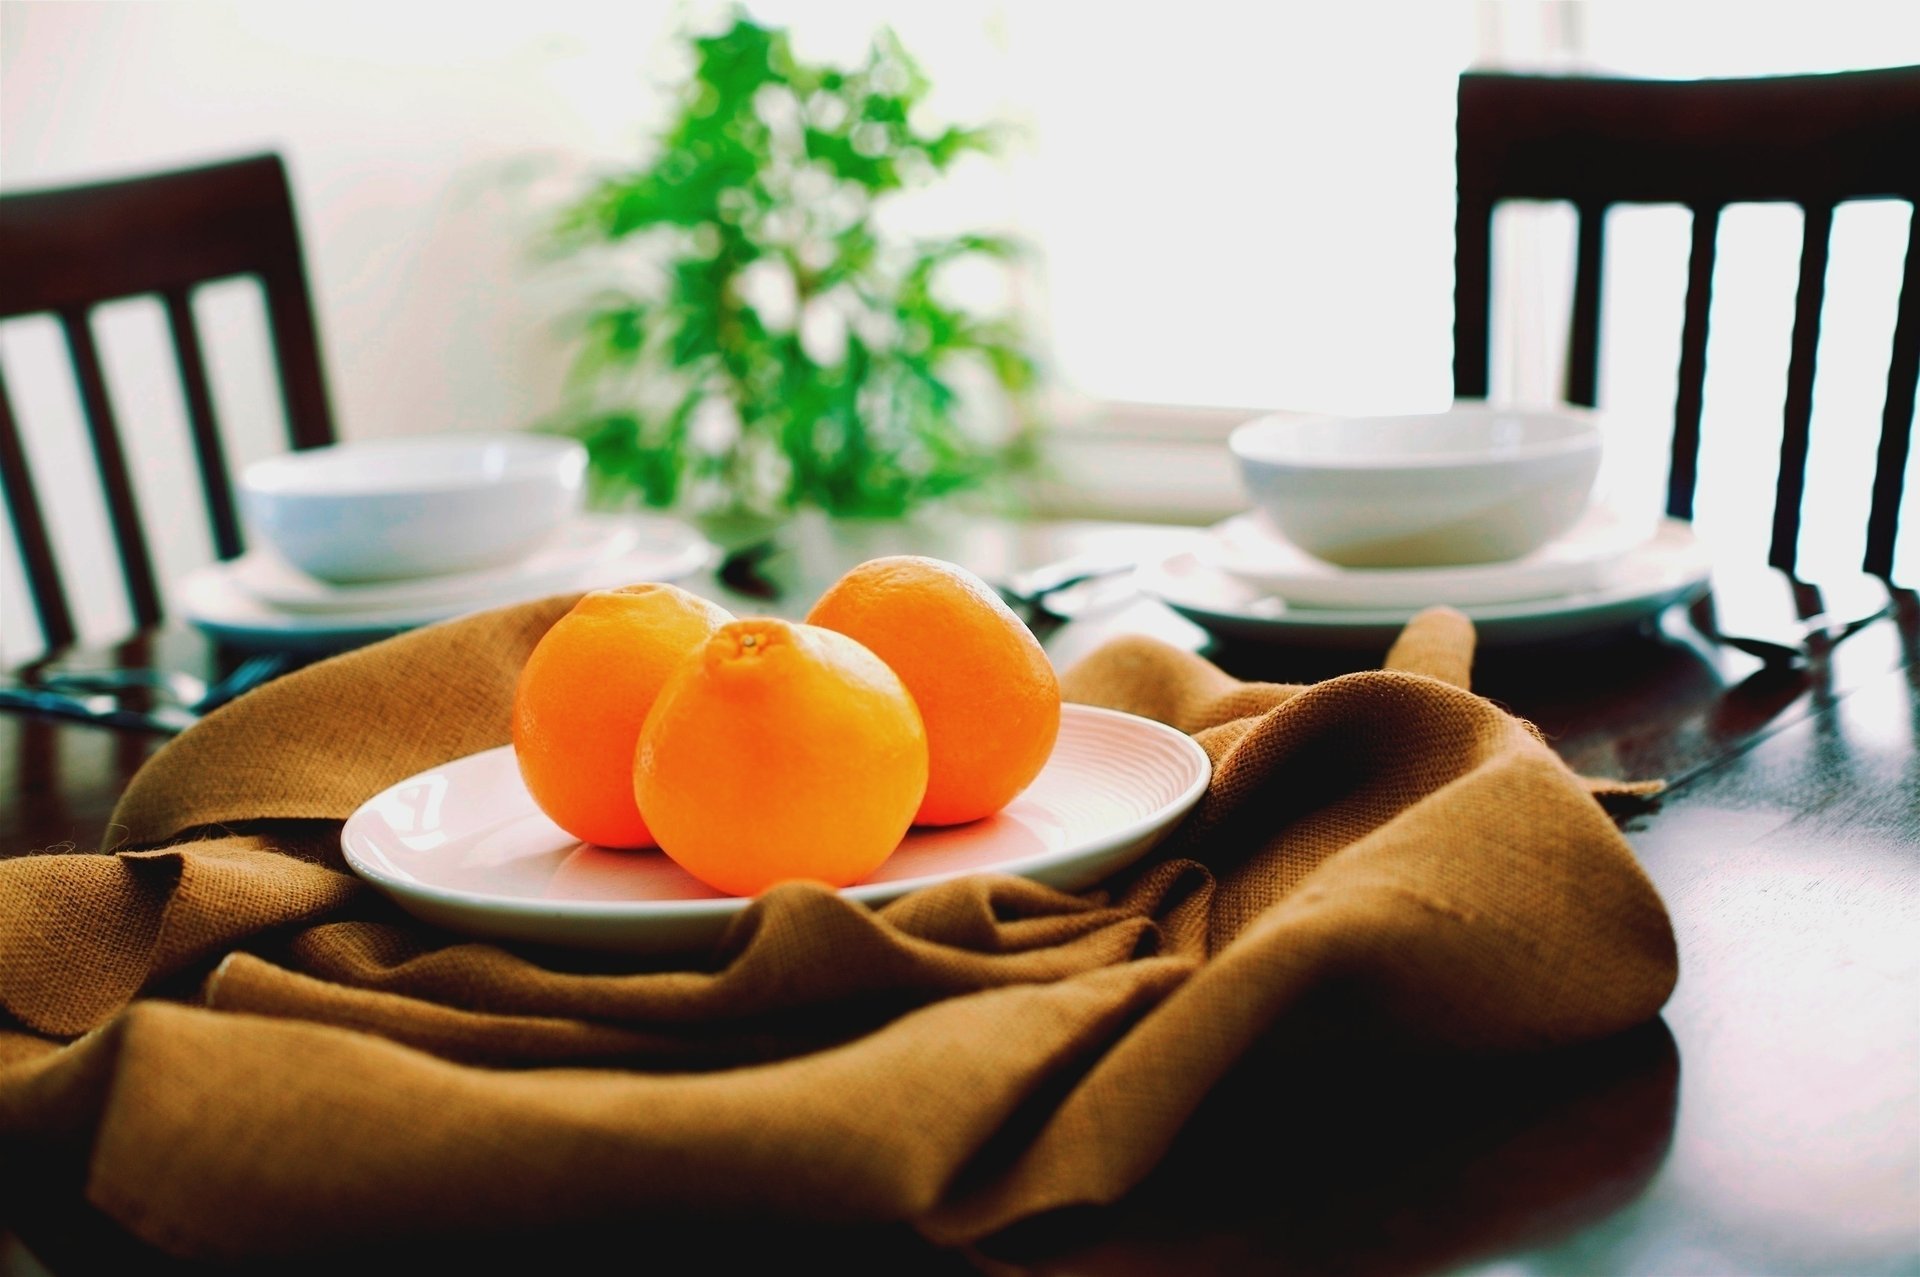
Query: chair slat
(122,509)
(1583,344)
(207,452)
(68,249)
(296,344)
(1684,469)
(1795,436)
(1896,422)
(30,533)
(1472,283)
(1813,140)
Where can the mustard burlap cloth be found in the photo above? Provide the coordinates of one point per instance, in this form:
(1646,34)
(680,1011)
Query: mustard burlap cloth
(252,1054)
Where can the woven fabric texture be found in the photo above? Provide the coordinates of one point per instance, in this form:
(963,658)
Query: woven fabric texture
(253,1054)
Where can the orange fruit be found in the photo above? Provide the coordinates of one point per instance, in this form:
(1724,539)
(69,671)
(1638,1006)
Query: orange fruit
(583,694)
(985,689)
(780,751)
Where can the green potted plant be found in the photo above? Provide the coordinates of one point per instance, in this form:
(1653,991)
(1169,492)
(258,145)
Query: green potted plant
(779,350)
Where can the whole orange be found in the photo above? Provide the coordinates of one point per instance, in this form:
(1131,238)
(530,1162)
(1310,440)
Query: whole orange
(780,751)
(985,689)
(585,691)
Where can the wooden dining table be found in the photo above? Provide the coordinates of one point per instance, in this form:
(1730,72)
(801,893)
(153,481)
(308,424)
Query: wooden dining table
(1767,1122)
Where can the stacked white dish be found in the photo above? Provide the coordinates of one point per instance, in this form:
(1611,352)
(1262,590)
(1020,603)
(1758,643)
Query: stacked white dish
(1485,511)
(359,541)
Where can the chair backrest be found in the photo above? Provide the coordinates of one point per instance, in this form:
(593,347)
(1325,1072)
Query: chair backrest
(65,251)
(1814,140)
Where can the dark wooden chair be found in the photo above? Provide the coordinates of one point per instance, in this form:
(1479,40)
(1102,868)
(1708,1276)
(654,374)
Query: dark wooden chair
(65,251)
(1813,140)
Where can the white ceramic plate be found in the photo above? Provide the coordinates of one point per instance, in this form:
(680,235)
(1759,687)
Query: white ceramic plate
(1666,568)
(1249,547)
(463,846)
(218,599)
(577,545)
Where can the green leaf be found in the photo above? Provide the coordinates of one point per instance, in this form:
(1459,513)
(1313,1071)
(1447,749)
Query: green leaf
(734,176)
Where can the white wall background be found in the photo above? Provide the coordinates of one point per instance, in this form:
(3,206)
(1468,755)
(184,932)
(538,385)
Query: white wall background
(399,122)
(406,128)
(426,142)
(1238,203)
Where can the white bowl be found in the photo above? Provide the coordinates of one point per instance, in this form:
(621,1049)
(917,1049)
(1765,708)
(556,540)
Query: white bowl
(1473,485)
(398,508)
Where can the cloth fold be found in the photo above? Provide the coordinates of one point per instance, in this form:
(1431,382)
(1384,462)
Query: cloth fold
(253,1054)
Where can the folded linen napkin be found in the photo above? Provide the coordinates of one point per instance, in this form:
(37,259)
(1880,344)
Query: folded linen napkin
(252,1054)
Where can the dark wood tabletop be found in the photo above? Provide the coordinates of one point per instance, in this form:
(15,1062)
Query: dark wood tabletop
(1768,1122)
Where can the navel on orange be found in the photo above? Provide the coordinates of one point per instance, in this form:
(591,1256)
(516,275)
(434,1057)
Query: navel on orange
(780,751)
(984,688)
(583,695)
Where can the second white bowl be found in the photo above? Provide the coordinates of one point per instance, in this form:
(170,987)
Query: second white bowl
(1473,485)
(392,509)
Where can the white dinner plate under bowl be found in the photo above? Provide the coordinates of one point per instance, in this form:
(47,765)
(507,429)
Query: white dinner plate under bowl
(577,545)
(215,599)
(1249,547)
(1669,566)
(464,847)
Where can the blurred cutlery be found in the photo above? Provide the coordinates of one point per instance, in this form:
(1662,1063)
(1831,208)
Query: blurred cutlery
(1781,620)
(178,686)
(1048,596)
(249,674)
(93,695)
(742,570)
(101,709)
